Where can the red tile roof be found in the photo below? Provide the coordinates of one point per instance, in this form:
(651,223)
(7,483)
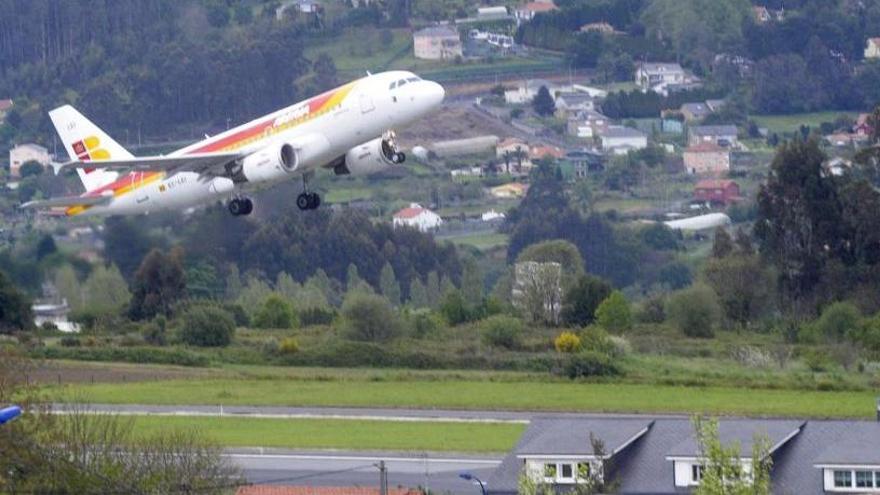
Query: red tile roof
(5,105)
(539,152)
(539,7)
(319,490)
(715,184)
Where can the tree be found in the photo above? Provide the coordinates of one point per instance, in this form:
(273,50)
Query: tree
(325,72)
(15,308)
(276,312)
(543,104)
(502,331)
(30,168)
(105,291)
(537,291)
(454,308)
(614,313)
(722,244)
(723,471)
(46,247)
(418,296)
(369,317)
(744,286)
(695,311)
(472,285)
(582,299)
(556,251)
(158,284)
(207,326)
(389,285)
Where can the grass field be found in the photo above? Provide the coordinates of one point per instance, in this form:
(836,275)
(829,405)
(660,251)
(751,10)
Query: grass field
(783,124)
(342,433)
(494,395)
(481,241)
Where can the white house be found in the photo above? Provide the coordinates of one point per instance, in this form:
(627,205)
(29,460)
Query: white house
(659,77)
(528,11)
(492,13)
(55,314)
(527,91)
(24,153)
(569,103)
(418,217)
(621,140)
(872,51)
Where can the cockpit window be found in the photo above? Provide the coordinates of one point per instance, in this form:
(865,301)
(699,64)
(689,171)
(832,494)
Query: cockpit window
(401,82)
(413,79)
(392,86)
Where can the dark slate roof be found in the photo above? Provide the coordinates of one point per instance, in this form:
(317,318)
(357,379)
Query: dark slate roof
(823,442)
(553,436)
(714,130)
(742,432)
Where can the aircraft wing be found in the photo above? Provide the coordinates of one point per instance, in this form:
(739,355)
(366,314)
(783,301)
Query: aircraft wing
(201,163)
(68,201)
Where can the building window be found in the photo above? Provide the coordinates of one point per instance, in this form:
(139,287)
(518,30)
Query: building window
(843,479)
(550,471)
(864,479)
(584,470)
(697,473)
(567,472)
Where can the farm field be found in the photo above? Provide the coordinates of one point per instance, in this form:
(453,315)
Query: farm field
(783,124)
(342,434)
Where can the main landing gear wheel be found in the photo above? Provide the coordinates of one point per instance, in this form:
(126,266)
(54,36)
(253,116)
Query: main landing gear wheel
(398,158)
(241,206)
(308,201)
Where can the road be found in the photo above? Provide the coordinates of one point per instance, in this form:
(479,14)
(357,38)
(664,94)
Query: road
(433,471)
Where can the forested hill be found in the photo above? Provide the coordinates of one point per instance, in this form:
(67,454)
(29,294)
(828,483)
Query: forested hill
(146,64)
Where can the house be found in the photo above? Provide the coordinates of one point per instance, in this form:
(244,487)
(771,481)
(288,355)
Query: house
(492,13)
(714,191)
(54,312)
(585,162)
(695,111)
(663,78)
(761,14)
(5,107)
(461,173)
(437,43)
(706,158)
(510,146)
(417,217)
(621,140)
(492,216)
(872,51)
(320,490)
(722,135)
(569,103)
(527,90)
(301,6)
(642,454)
(541,152)
(513,190)
(598,27)
(527,12)
(863,125)
(24,153)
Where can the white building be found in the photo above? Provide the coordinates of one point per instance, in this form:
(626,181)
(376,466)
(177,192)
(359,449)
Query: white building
(872,51)
(621,140)
(417,217)
(24,153)
(527,91)
(55,314)
(659,77)
(492,13)
(437,43)
(528,11)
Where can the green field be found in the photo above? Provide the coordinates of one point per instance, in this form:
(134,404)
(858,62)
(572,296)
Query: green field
(481,241)
(342,433)
(493,395)
(785,124)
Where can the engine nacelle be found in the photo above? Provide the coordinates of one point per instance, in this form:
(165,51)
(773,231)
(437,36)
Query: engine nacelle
(278,160)
(370,157)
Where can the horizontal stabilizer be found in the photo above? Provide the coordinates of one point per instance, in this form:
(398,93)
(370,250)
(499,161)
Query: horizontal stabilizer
(68,201)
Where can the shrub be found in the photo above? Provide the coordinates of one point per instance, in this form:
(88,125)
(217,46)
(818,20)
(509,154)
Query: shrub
(589,363)
(839,320)
(369,317)
(275,313)
(316,316)
(155,331)
(614,313)
(289,345)
(582,299)
(179,357)
(207,327)
(596,339)
(502,331)
(69,341)
(454,308)
(695,311)
(653,310)
(816,360)
(424,324)
(567,343)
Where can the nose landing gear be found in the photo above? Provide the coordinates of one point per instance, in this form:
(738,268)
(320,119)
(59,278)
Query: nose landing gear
(241,206)
(390,150)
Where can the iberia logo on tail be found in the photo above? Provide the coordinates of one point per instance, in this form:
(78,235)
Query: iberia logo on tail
(88,149)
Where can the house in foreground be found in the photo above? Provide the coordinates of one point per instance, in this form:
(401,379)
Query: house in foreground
(661,455)
(418,217)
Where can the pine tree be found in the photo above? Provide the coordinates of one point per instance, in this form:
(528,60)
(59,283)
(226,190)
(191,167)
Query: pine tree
(543,102)
(432,289)
(389,285)
(418,294)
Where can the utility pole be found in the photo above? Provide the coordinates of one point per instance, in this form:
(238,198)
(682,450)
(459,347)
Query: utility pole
(383,479)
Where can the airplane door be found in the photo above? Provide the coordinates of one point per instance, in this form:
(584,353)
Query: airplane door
(367,103)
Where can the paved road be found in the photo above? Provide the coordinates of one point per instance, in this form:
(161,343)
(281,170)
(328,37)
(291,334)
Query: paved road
(436,472)
(386,414)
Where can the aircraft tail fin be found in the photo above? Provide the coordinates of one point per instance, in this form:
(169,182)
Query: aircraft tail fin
(86,142)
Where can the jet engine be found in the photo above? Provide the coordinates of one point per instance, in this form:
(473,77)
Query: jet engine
(370,157)
(278,160)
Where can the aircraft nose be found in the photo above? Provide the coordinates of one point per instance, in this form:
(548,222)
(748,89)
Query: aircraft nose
(436,93)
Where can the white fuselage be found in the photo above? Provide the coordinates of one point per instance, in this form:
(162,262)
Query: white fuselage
(324,127)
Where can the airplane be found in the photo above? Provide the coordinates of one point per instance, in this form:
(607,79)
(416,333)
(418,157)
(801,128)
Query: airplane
(347,130)
(7,414)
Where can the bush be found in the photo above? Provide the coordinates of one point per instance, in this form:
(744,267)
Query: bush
(275,313)
(589,363)
(454,308)
(817,360)
(207,327)
(152,355)
(369,317)
(316,316)
(289,345)
(838,321)
(424,325)
(582,299)
(567,343)
(155,331)
(653,310)
(69,341)
(614,313)
(596,339)
(695,311)
(502,331)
